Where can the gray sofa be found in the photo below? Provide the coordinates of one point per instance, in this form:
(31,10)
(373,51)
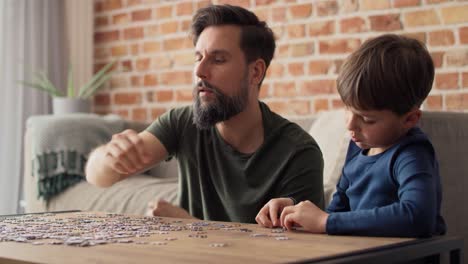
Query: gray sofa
(448,132)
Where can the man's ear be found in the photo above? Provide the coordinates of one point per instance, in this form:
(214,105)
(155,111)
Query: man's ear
(257,71)
(412,118)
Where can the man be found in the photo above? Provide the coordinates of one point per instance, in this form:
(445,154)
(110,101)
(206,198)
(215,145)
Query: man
(234,154)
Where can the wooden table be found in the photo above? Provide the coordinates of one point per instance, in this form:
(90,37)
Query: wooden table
(241,247)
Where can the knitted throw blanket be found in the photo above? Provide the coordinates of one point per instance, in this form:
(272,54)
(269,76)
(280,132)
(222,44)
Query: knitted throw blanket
(60,146)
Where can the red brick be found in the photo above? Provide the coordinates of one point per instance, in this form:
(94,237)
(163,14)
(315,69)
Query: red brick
(278,14)
(184,8)
(136,81)
(296,31)
(111,5)
(301,49)
(454,14)
(337,104)
(127,98)
(320,105)
(299,107)
(284,89)
(241,3)
(126,66)
(300,11)
(184,96)
(281,108)
(141,15)
(102,99)
(133,33)
(177,44)
(374,4)
(152,31)
(433,102)
(421,18)
(106,36)
(164,96)
(465,80)
(118,81)
(163,12)
(275,70)
(101,53)
(263,14)
(445,81)
(457,101)
(98,7)
(134,2)
(296,68)
(184,59)
(385,22)
(421,36)
(315,87)
(101,21)
(150,47)
(120,50)
(139,114)
(157,111)
(120,19)
(320,67)
(176,77)
(185,25)
(282,50)
(353,25)
(162,62)
(169,27)
(322,28)
(135,49)
(264,91)
(264,2)
(349,6)
(123,113)
(338,46)
(441,38)
(406,3)
(143,64)
(150,80)
(327,8)
(437,58)
(457,58)
(203,3)
(436,1)
(463,35)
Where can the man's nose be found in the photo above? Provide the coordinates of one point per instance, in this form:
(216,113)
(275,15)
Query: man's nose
(201,70)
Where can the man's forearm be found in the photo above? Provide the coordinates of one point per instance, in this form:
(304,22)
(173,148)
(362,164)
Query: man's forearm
(98,172)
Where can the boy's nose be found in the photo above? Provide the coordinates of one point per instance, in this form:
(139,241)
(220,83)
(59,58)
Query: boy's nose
(351,122)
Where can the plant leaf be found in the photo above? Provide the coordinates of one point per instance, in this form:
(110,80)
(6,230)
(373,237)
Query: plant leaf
(40,87)
(43,79)
(96,86)
(85,90)
(70,88)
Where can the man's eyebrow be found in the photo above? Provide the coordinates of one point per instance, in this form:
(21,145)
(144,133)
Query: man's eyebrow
(215,52)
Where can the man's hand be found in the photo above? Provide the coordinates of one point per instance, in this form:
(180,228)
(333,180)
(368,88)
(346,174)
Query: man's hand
(305,214)
(125,153)
(268,216)
(162,208)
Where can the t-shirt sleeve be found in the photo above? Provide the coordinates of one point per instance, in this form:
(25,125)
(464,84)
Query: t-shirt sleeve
(168,128)
(413,215)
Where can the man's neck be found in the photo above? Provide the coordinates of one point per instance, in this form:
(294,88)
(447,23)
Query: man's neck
(244,131)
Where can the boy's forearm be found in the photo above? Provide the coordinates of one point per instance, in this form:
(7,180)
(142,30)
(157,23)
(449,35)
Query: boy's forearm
(97,171)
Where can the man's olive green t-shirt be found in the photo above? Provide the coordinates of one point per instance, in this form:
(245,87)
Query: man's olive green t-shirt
(217,182)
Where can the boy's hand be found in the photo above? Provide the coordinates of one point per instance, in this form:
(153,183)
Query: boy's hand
(165,209)
(125,153)
(268,216)
(305,214)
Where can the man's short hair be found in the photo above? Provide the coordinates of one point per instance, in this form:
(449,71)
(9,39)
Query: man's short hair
(390,72)
(257,39)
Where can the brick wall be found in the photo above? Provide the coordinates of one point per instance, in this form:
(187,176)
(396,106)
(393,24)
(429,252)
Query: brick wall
(149,38)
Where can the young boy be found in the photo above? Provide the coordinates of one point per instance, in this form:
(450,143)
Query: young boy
(390,184)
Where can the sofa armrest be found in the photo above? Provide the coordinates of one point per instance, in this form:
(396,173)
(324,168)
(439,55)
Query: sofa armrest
(32,203)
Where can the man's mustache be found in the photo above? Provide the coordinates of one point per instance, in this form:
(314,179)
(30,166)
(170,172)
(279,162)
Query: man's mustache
(208,86)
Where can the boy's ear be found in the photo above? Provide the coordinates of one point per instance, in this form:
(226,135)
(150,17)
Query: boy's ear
(412,118)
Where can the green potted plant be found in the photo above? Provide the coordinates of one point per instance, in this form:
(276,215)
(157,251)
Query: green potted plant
(74,100)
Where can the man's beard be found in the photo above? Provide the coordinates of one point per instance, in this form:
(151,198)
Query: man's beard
(221,108)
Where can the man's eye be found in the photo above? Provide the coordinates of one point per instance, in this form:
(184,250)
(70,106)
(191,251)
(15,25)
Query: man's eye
(219,60)
(198,58)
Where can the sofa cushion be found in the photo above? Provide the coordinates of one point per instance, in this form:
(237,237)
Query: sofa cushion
(329,130)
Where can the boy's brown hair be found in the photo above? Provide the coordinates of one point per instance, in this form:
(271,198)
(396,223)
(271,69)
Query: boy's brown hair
(390,72)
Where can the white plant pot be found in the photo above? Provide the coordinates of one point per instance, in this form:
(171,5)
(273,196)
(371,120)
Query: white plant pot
(66,105)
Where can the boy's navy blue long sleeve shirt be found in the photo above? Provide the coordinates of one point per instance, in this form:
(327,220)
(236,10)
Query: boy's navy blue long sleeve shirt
(394,193)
